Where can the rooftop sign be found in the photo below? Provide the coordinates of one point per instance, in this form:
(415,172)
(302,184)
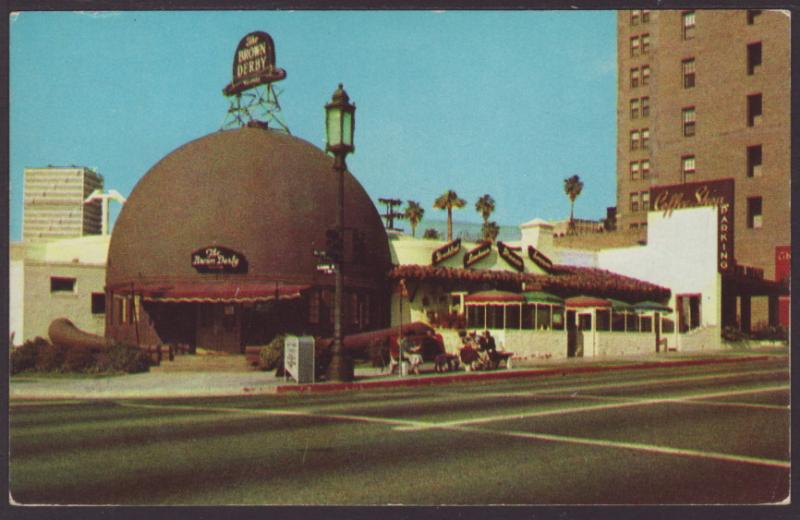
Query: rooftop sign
(254,63)
(216,259)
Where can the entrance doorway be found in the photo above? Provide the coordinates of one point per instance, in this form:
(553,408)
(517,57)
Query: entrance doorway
(572,334)
(219,327)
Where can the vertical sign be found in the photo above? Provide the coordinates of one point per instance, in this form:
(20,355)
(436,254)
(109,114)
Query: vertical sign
(719,193)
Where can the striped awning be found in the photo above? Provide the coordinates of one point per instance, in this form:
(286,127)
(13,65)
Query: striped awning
(494,297)
(218,292)
(587,301)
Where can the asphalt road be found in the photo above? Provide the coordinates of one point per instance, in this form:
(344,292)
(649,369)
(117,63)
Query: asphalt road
(715,434)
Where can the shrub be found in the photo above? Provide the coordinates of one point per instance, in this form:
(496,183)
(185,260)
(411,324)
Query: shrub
(271,356)
(775,333)
(50,358)
(733,334)
(24,357)
(79,360)
(127,358)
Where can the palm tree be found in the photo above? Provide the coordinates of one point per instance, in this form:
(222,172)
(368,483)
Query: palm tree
(414,213)
(448,201)
(490,231)
(485,206)
(572,187)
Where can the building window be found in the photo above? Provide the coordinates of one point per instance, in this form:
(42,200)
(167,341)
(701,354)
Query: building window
(635,135)
(645,43)
(688,311)
(635,16)
(633,227)
(754,212)
(754,161)
(687,167)
(645,75)
(634,169)
(60,284)
(634,77)
(754,109)
(687,66)
(752,14)
(645,15)
(688,121)
(98,303)
(645,102)
(635,202)
(634,46)
(645,196)
(645,139)
(688,25)
(643,226)
(634,108)
(645,169)
(753,58)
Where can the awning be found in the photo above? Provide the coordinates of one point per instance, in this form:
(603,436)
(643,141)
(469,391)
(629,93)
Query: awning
(651,306)
(494,297)
(217,292)
(620,306)
(542,297)
(587,301)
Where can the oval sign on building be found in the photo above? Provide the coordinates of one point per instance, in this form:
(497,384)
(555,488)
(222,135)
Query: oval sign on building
(218,259)
(254,63)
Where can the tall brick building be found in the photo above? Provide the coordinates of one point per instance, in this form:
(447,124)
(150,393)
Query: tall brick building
(705,95)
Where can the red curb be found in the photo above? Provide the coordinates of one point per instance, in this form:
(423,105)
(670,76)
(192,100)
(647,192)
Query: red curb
(503,374)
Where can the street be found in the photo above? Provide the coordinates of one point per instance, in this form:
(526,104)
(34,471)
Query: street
(712,434)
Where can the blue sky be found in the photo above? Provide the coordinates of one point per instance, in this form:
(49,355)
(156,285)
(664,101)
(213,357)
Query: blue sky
(505,103)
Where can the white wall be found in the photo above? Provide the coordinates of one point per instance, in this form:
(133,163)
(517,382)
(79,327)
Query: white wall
(16,297)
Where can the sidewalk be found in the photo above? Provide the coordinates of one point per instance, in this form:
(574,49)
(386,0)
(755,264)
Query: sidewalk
(153,385)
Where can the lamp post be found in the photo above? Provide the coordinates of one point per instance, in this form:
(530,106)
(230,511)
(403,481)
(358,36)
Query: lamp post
(339,127)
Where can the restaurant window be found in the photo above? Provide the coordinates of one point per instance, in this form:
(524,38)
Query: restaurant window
(558,318)
(645,167)
(753,58)
(646,323)
(62,284)
(687,68)
(645,43)
(645,75)
(754,161)
(313,307)
(688,25)
(754,109)
(635,136)
(687,168)
(689,118)
(476,316)
(688,312)
(354,308)
(119,309)
(632,322)
(512,316)
(634,75)
(645,15)
(603,319)
(667,326)
(645,138)
(529,316)
(752,16)
(494,317)
(636,16)
(635,201)
(617,322)
(645,196)
(645,106)
(543,317)
(634,108)
(98,303)
(634,46)
(634,170)
(585,321)
(754,212)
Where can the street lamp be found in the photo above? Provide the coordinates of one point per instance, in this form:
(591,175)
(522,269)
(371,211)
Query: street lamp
(339,127)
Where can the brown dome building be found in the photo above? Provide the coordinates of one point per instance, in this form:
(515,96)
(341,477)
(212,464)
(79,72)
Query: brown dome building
(215,246)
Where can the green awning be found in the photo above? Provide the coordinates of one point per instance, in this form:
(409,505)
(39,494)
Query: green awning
(651,306)
(542,297)
(620,306)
